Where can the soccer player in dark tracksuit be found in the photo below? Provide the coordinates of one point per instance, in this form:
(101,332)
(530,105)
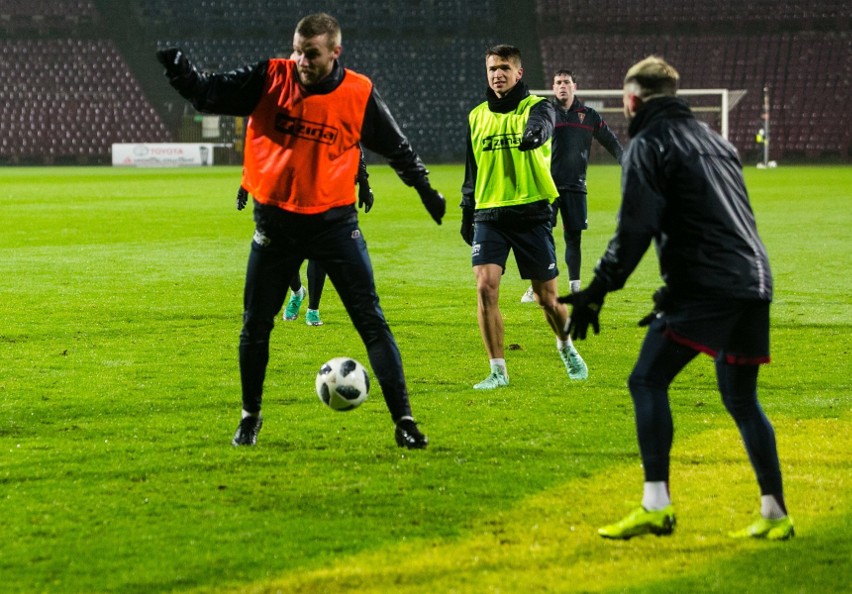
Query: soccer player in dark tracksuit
(682,188)
(576,126)
(307,118)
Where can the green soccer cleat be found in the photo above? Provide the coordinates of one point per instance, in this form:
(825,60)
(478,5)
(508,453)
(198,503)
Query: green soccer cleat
(640,522)
(291,312)
(312,318)
(574,364)
(780,529)
(497,379)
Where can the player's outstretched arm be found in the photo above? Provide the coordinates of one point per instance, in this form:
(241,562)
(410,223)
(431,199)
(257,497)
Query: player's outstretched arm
(230,93)
(365,192)
(381,134)
(539,126)
(432,199)
(181,73)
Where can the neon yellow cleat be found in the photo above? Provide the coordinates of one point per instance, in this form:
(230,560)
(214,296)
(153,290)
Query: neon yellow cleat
(780,529)
(640,522)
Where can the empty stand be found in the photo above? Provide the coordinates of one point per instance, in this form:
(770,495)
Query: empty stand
(67,92)
(807,74)
(69,100)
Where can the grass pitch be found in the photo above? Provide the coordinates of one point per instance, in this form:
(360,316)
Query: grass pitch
(120,303)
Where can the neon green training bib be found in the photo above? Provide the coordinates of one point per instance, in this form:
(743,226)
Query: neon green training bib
(505,175)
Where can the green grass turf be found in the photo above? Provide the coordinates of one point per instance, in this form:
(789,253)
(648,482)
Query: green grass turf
(120,303)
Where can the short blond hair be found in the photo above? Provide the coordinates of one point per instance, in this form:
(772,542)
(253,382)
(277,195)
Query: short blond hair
(652,76)
(320,23)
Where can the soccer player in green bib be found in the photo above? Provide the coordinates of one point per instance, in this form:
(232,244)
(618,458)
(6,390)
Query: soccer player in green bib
(506,206)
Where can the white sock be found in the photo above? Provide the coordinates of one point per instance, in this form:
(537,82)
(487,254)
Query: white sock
(655,495)
(499,364)
(248,414)
(561,344)
(770,508)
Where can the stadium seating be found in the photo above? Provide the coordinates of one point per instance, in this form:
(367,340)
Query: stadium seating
(71,84)
(46,16)
(800,69)
(68,101)
(728,16)
(274,17)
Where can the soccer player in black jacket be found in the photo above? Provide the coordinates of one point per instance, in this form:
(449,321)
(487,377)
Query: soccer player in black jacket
(682,187)
(576,126)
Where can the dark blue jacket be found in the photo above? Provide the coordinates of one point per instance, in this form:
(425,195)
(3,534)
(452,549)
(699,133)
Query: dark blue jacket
(572,143)
(682,187)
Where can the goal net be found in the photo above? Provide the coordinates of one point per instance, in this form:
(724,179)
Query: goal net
(709,105)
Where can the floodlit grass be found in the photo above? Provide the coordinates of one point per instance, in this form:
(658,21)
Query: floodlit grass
(120,305)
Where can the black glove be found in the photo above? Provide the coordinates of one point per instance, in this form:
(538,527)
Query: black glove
(662,300)
(432,199)
(586,309)
(365,196)
(242,198)
(467,225)
(532,139)
(175,62)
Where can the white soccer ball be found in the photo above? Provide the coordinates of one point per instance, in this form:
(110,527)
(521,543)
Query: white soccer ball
(343,384)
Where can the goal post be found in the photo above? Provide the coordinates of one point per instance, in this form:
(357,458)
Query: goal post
(711,105)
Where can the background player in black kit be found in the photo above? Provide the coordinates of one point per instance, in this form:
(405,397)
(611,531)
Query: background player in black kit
(576,126)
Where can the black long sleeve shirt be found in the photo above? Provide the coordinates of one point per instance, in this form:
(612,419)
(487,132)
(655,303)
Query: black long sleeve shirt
(575,128)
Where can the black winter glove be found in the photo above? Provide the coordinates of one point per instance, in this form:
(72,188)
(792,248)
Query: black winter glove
(467,225)
(175,62)
(662,300)
(242,198)
(586,309)
(365,196)
(432,199)
(532,139)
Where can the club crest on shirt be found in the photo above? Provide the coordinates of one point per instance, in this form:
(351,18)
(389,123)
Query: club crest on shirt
(582,117)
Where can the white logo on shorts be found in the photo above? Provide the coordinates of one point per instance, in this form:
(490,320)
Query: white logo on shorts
(475,249)
(261,239)
(356,234)
(552,266)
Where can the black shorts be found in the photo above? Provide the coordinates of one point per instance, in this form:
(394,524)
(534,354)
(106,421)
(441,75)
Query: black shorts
(574,209)
(735,330)
(533,245)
